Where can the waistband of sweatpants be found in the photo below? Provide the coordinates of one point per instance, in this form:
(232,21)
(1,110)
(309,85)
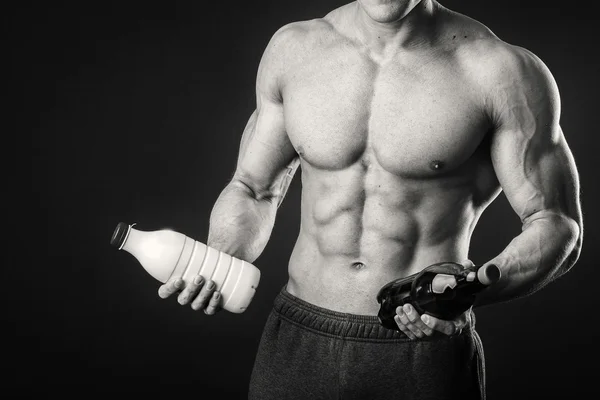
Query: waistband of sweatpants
(332,323)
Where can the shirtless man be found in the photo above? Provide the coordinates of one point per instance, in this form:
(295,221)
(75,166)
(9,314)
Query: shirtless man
(407,120)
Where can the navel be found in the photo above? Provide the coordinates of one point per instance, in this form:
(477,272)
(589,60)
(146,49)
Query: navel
(436,165)
(358,266)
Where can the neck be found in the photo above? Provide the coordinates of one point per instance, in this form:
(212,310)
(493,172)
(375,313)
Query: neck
(410,27)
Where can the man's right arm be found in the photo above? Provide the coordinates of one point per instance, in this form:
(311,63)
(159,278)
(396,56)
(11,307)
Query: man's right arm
(243,216)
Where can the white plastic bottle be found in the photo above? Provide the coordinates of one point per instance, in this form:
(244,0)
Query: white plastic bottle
(165,253)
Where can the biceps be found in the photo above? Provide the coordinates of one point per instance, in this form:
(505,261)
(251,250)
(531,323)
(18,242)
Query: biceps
(537,173)
(266,156)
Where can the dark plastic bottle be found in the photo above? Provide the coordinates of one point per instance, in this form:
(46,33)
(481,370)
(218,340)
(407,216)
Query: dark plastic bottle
(441,290)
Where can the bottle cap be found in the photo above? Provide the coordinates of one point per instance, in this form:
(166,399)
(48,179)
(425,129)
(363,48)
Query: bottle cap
(489,274)
(119,235)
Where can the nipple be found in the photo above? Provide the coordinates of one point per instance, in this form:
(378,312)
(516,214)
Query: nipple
(436,165)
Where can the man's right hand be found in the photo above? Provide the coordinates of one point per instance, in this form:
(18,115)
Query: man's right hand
(200,294)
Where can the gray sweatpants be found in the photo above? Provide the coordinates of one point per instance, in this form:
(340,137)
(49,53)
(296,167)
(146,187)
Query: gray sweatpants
(308,352)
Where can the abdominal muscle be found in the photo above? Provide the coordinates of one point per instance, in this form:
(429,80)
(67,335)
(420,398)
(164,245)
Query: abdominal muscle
(362,227)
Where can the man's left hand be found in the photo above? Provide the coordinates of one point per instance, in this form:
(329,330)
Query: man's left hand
(417,326)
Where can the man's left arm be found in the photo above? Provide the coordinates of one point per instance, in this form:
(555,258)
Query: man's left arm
(537,172)
(538,175)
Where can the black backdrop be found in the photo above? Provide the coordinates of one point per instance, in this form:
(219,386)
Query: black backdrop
(135,111)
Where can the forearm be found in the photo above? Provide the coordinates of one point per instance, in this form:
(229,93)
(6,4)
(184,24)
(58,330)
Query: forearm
(241,222)
(547,247)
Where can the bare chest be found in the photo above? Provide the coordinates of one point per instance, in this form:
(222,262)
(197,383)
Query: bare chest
(411,118)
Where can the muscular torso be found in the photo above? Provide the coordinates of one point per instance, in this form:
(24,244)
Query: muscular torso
(394,165)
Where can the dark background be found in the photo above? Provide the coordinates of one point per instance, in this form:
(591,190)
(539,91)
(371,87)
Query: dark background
(135,112)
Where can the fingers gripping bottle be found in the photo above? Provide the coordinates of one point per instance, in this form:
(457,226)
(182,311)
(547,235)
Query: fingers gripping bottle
(443,290)
(166,253)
